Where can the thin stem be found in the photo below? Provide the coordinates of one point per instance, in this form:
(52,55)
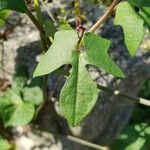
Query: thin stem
(76,140)
(85,143)
(127,97)
(36,23)
(105,16)
(45,46)
(40,21)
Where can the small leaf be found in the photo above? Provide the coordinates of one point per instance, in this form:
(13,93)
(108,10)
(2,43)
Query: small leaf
(20,114)
(132,25)
(59,53)
(4,145)
(79,93)
(17,5)
(49,28)
(140,3)
(96,50)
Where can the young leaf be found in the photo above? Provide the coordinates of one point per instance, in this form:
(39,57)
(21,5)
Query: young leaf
(132,25)
(59,53)
(17,5)
(20,114)
(140,3)
(96,50)
(79,93)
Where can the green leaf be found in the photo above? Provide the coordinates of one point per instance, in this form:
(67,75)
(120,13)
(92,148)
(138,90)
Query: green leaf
(132,25)
(4,145)
(96,50)
(49,28)
(59,53)
(135,137)
(65,26)
(17,5)
(140,3)
(145,13)
(12,96)
(3,16)
(79,93)
(20,114)
(33,95)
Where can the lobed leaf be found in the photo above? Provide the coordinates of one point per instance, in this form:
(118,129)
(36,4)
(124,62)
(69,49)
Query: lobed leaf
(132,25)
(79,93)
(96,51)
(17,5)
(59,53)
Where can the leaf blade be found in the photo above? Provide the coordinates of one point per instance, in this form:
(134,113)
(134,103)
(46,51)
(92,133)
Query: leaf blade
(79,93)
(60,53)
(127,17)
(96,50)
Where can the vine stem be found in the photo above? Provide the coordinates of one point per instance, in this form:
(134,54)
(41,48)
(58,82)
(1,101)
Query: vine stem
(139,100)
(76,140)
(45,45)
(105,16)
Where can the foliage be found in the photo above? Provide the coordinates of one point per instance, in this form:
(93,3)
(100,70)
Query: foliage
(134,137)
(126,16)
(17,104)
(79,93)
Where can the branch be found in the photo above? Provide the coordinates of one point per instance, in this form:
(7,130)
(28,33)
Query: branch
(74,139)
(85,143)
(130,98)
(105,16)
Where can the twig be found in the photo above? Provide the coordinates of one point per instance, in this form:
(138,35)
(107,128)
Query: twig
(86,143)
(142,101)
(105,16)
(45,46)
(74,139)
(38,26)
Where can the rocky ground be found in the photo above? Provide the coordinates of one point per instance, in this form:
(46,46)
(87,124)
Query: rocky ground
(110,115)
